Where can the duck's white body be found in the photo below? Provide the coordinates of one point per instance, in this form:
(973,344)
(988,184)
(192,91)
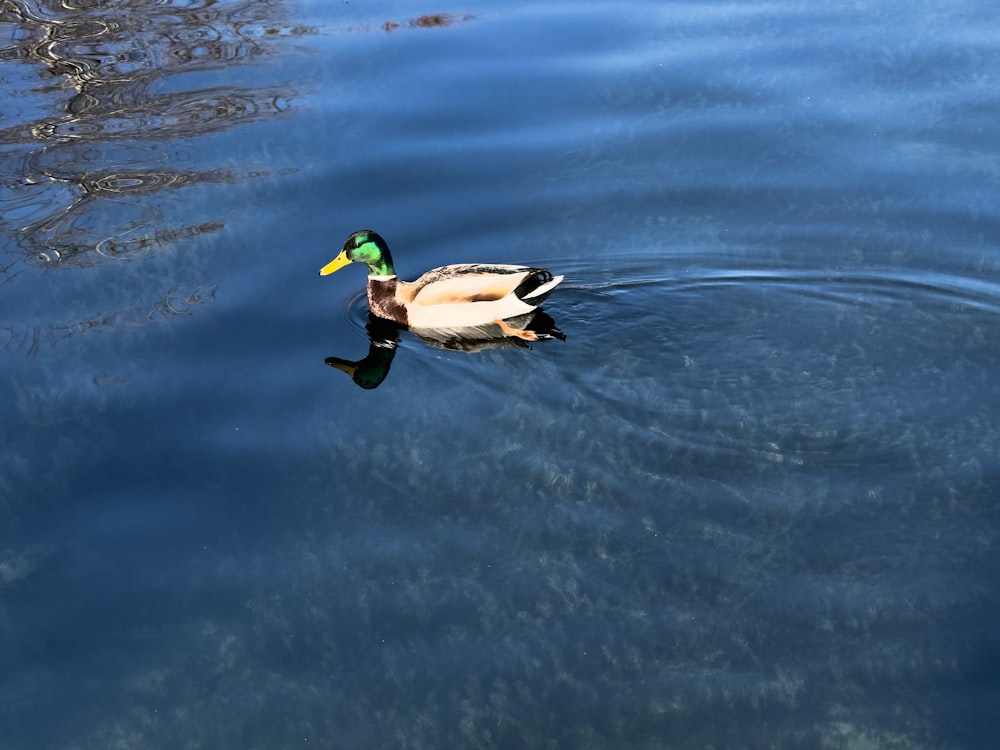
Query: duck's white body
(461,295)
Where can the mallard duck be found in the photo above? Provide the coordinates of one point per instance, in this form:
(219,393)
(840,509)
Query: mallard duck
(457,296)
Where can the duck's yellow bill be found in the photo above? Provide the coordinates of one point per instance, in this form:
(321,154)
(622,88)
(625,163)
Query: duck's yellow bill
(335,265)
(349,367)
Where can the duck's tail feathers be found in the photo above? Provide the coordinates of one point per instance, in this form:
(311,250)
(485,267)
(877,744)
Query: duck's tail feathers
(539,285)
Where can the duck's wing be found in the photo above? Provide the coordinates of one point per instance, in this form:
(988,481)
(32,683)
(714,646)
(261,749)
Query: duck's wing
(473,282)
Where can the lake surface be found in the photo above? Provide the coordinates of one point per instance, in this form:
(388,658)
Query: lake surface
(752,500)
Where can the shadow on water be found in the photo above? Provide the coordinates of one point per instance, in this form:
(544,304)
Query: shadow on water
(370,371)
(93,179)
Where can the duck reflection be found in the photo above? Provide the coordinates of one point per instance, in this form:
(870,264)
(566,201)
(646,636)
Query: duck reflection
(384,335)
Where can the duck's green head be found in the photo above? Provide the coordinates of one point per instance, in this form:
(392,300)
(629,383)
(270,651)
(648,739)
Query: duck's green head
(365,247)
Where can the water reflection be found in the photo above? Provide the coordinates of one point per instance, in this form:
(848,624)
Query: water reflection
(383,335)
(370,371)
(90,162)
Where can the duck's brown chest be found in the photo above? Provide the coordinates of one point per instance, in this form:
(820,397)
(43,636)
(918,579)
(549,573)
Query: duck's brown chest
(382,300)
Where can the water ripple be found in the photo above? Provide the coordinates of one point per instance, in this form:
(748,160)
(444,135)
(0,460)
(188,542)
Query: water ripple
(871,287)
(868,287)
(65,175)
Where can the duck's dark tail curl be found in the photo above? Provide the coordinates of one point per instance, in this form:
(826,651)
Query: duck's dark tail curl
(537,286)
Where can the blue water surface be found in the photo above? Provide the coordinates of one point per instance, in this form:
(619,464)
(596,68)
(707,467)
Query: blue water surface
(749,501)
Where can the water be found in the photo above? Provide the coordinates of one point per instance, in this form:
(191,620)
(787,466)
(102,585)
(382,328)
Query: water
(749,501)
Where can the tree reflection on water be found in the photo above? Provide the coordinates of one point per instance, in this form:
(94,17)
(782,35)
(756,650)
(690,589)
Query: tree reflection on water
(92,151)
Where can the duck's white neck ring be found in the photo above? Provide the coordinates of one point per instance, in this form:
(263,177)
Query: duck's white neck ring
(381,278)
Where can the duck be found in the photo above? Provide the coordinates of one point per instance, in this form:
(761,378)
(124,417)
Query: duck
(451,297)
